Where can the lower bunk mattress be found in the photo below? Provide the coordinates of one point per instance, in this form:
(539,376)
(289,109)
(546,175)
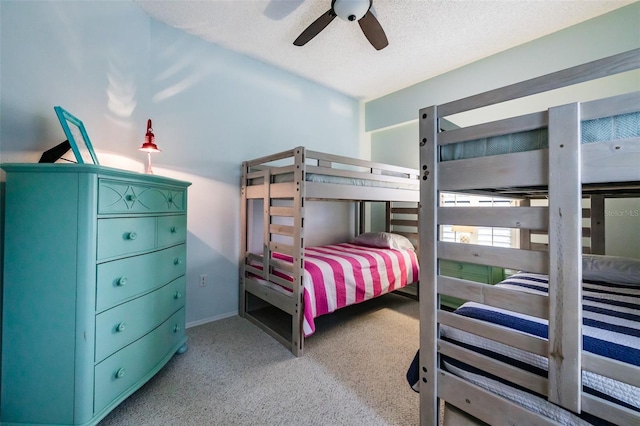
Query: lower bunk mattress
(340,275)
(611,328)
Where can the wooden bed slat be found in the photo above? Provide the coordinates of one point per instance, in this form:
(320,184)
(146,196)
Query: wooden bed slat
(500,369)
(255,178)
(331,158)
(256,271)
(521,341)
(269,295)
(254,192)
(505,217)
(281,281)
(269,158)
(282,248)
(284,266)
(616,414)
(613,161)
(485,405)
(524,260)
(404,222)
(281,211)
(332,191)
(496,171)
(360,175)
(611,368)
(526,303)
(283,190)
(281,230)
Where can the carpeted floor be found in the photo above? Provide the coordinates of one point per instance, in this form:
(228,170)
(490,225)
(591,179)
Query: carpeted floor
(352,373)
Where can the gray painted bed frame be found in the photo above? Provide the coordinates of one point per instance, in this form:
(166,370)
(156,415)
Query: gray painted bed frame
(566,172)
(283,230)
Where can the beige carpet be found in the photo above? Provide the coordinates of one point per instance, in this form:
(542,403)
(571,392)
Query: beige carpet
(352,373)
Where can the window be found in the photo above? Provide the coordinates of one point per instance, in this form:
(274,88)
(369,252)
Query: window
(482,235)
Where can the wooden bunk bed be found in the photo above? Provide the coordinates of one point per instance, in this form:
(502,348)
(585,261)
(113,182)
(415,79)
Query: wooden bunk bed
(480,368)
(276,285)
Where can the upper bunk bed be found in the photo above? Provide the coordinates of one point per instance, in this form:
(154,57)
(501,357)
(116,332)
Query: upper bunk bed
(278,290)
(562,154)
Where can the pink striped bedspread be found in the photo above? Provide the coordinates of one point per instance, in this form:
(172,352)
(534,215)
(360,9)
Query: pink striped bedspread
(344,274)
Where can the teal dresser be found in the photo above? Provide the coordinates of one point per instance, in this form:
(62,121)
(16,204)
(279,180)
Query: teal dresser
(468,271)
(94,288)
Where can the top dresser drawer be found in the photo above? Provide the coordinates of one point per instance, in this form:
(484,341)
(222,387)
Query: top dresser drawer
(123,197)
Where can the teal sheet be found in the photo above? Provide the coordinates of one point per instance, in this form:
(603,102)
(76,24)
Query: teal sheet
(602,129)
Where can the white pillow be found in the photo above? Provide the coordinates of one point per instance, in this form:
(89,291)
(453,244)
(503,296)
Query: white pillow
(612,269)
(384,240)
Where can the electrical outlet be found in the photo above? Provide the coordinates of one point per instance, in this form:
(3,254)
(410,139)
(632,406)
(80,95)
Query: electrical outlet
(203,280)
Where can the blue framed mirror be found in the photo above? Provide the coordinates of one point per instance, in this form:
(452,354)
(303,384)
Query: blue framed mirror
(77,136)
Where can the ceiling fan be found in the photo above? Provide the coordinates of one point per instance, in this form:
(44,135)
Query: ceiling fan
(348,10)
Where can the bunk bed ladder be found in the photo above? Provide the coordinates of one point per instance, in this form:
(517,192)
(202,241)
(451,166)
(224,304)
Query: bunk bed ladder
(429,201)
(297,333)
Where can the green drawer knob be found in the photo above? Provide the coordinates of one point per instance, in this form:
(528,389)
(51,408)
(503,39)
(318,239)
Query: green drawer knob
(131,197)
(121,327)
(177,261)
(170,200)
(120,373)
(174,230)
(122,281)
(132,236)
(178,295)
(176,328)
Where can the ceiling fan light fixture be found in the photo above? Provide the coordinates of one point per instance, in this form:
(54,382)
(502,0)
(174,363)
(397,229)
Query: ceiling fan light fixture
(351,10)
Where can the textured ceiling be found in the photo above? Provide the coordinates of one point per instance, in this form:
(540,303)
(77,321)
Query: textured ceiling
(426,37)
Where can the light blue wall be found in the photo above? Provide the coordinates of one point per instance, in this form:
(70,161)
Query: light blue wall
(113,67)
(614,32)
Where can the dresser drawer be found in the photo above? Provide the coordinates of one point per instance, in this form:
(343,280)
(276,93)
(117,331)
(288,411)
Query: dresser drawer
(123,279)
(172,230)
(467,268)
(122,236)
(123,197)
(125,368)
(125,323)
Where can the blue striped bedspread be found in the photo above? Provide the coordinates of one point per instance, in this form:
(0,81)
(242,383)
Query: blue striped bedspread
(611,328)
(611,315)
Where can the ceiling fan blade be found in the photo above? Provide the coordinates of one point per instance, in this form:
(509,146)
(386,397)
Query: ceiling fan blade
(315,28)
(373,31)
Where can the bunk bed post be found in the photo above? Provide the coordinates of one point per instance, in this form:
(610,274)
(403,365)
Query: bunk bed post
(525,234)
(297,333)
(243,239)
(428,208)
(565,257)
(597,224)
(387,216)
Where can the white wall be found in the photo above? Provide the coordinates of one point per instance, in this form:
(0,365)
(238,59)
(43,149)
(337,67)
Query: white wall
(113,66)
